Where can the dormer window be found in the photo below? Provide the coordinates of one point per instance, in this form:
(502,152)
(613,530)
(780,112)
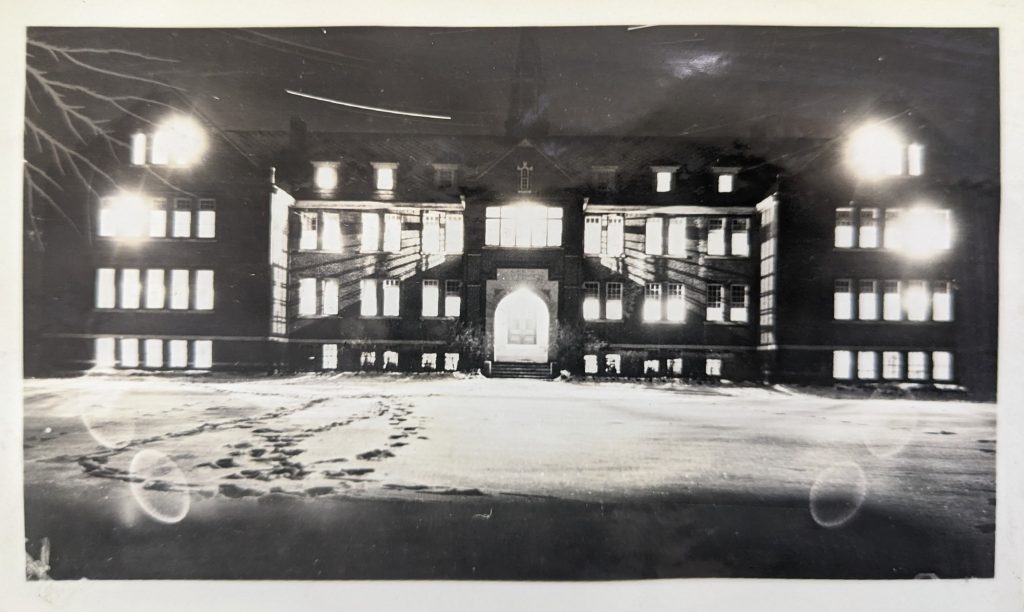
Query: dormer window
(915,159)
(604,178)
(525,177)
(178,141)
(444,175)
(384,176)
(138,149)
(725,179)
(664,178)
(325,175)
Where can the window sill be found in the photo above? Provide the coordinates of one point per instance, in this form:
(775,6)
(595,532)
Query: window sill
(439,318)
(728,323)
(317,316)
(608,321)
(155,310)
(382,317)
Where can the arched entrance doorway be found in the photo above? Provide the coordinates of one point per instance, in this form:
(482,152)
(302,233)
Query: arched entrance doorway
(521,328)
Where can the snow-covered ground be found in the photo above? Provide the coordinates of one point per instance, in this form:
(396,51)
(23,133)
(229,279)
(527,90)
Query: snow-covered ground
(174,442)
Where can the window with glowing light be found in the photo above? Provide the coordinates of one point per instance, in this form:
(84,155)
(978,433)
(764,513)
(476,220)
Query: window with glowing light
(309,232)
(677,237)
(138,147)
(179,141)
(716,236)
(652,302)
(129,348)
(158,218)
(523,226)
(926,231)
(390,360)
(182,219)
(428,361)
(651,366)
(368,297)
(329,356)
(131,288)
(178,353)
(591,301)
(613,301)
(868,231)
(916,298)
(384,176)
(325,175)
(917,365)
(179,289)
(202,354)
(392,233)
(368,359)
(892,304)
(653,241)
(104,353)
(391,296)
(715,303)
(892,365)
(844,228)
(675,303)
(431,298)
(204,290)
(206,225)
(613,364)
(370,234)
(915,159)
(590,364)
(867,365)
(592,235)
(713,368)
(330,239)
(942,366)
(663,181)
(307,297)
(441,233)
(725,182)
(674,366)
(451,361)
(942,301)
(739,296)
(106,288)
(867,300)
(877,151)
(843,300)
(842,365)
(153,353)
(155,289)
(892,234)
(452,298)
(739,230)
(329,296)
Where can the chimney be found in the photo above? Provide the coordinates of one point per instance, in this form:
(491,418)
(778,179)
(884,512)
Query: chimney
(297,135)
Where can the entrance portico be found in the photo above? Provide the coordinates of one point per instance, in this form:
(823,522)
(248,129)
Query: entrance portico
(521,309)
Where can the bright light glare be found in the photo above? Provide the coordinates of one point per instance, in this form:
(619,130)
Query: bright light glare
(876,151)
(924,231)
(182,139)
(326,177)
(131,215)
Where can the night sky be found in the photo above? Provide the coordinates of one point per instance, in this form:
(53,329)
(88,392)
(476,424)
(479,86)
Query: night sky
(700,81)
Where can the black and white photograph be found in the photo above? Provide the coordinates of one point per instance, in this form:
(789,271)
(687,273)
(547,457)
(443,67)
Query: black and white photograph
(510,303)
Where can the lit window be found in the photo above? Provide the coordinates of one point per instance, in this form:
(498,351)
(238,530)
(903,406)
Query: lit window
(876,151)
(942,301)
(329,356)
(738,296)
(129,352)
(842,365)
(867,365)
(716,309)
(453,233)
(178,350)
(725,183)
(713,367)
(915,159)
(613,303)
(158,219)
(138,149)
(452,298)
(431,297)
(308,235)
(740,237)
(524,226)
(370,241)
(159,154)
(942,365)
(591,301)
(892,306)
(384,176)
(677,236)
(716,236)
(926,231)
(390,360)
(104,357)
(127,215)
(590,364)
(917,300)
(651,366)
(675,304)
(592,235)
(653,243)
(331,232)
(204,290)
(179,289)
(892,238)
(105,287)
(329,299)
(107,223)
(154,356)
(867,300)
(179,141)
(652,302)
(844,228)
(131,288)
(155,290)
(390,298)
(325,175)
(368,297)
(392,233)
(451,361)
(525,177)
(368,359)
(892,365)
(307,297)
(207,221)
(613,364)
(868,234)
(431,232)
(674,366)
(428,361)
(202,354)
(663,181)
(917,367)
(182,226)
(616,235)
(843,302)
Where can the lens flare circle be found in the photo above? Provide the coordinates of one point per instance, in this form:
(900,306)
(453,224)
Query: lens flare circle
(107,423)
(837,494)
(158,485)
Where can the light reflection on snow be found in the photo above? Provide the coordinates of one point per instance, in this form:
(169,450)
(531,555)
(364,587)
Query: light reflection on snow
(159,486)
(837,494)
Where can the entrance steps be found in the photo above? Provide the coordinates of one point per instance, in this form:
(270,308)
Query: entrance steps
(509,369)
